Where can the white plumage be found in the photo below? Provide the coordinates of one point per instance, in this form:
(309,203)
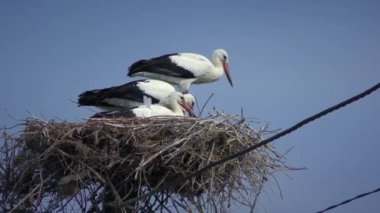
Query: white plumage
(130,95)
(183,69)
(170,106)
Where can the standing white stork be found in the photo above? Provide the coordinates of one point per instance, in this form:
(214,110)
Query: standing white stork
(170,106)
(184,69)
(130,95)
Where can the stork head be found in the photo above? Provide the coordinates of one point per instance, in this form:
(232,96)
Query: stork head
(190,100)
(186,102)
(177,101)
(220,56)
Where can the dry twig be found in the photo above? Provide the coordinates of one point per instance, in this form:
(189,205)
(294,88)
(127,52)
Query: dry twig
(101,163)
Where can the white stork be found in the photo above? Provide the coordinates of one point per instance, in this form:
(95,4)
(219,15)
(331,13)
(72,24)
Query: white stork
(184,69)
(130,95)
(170,106)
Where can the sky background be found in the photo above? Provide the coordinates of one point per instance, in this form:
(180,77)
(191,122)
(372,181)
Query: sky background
(288,60)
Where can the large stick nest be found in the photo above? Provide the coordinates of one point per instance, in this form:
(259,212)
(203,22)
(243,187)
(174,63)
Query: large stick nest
(100,164)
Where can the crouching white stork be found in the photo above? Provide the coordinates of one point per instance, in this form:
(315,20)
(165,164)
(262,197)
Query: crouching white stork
(184,69)
(170,106)
(130,95)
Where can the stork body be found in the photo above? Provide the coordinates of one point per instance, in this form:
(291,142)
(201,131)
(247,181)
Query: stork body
(170,106)
(183,69)
(130,95)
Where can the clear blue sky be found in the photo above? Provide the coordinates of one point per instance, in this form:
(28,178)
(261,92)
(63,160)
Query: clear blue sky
(288,60)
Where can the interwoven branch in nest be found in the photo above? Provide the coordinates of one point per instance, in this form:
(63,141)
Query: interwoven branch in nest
(99,164)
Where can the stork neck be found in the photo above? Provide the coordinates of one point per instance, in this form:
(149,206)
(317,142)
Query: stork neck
(217,70)
(216,61)
(177,109)
(172,104)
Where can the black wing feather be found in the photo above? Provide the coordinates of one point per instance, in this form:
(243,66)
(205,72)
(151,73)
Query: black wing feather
(128,91)
(114,114)
(160,65)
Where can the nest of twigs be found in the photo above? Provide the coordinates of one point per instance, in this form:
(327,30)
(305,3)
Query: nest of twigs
(100,165)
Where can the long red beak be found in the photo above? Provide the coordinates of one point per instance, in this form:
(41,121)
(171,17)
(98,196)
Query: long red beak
(227,71)
(188,108)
